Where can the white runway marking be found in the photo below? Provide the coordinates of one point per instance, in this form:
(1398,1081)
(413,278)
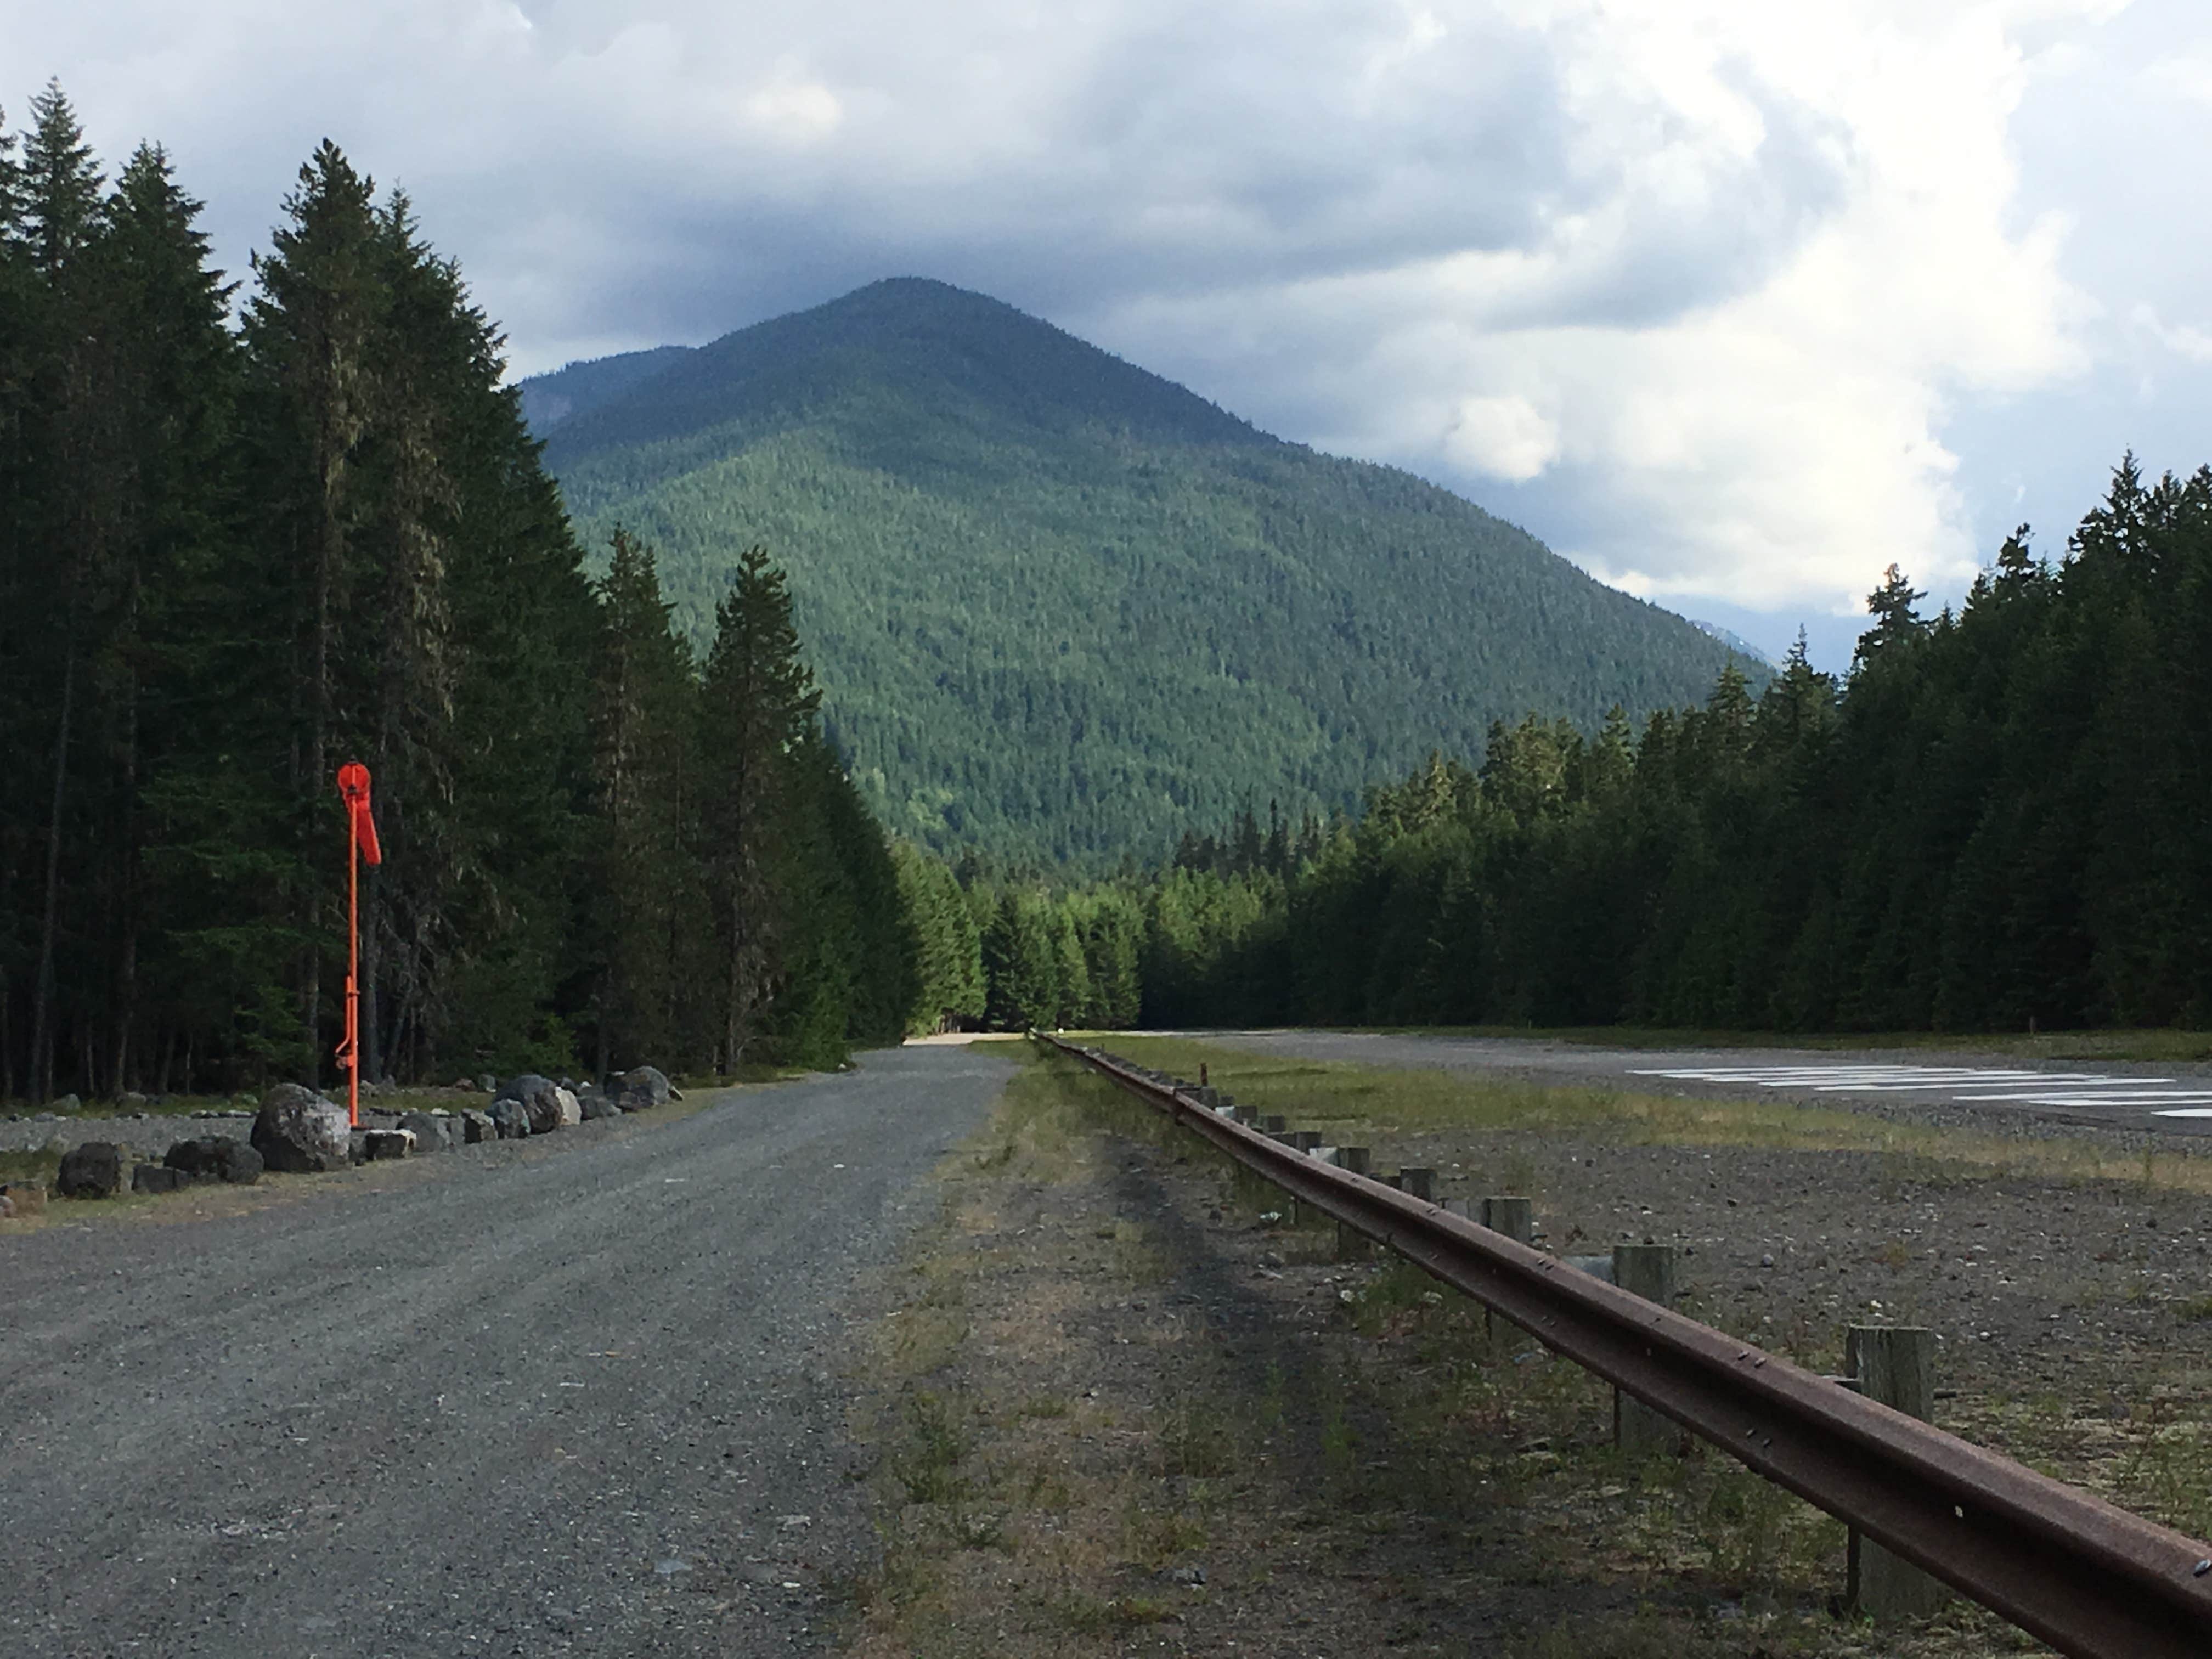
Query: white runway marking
(1966,1084)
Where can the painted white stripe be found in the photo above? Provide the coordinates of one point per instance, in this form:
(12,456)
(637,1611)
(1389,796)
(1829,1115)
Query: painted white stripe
(2063,1099)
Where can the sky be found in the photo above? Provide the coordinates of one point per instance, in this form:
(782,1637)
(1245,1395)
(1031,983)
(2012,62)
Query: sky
(1732,302)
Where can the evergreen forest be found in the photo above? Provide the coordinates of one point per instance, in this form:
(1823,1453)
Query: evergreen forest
(1999,820)
(248,537)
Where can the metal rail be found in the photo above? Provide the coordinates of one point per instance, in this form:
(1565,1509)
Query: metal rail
(2091,1579)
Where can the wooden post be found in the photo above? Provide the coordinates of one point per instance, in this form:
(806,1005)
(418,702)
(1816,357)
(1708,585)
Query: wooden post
(1352,1244)
(1417,1182)
(1517,1218)
(1649,1271)
(1896,1365)
(1514,1217)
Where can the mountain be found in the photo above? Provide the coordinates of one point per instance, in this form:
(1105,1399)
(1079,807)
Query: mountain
(1735,642)
(1062,607)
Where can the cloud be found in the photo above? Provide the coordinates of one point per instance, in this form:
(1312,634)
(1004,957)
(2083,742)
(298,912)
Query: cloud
(1696,288)
(1505,437)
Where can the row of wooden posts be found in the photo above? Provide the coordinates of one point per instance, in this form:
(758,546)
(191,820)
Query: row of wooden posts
(1894,1364)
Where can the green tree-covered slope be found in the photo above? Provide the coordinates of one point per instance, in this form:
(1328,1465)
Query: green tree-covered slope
(1062,607)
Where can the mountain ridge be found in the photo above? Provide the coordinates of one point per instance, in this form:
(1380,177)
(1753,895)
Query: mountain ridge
(1061,606)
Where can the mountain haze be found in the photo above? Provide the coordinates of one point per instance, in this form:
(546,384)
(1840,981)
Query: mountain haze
(1063,607)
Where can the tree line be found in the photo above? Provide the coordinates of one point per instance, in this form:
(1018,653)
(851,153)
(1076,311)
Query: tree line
(2000,818)
(247,535)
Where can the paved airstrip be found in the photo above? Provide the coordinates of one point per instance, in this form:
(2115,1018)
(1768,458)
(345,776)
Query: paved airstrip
(2172,1099)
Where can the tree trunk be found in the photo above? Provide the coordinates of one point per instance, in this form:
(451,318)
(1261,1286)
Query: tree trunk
(41,1068)
(126,963)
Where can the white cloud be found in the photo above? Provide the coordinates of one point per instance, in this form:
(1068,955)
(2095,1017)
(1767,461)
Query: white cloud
(1700,286)
(1505,437)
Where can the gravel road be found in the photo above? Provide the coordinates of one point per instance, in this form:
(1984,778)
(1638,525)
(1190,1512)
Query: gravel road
(2166,1098)
(581,1397)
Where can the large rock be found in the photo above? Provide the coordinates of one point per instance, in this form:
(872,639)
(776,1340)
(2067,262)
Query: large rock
(540,1097)
(509,1118)
(571,1109)
(297,1132)
(595,1105)
(477,1128)
(379,1146)
(217,1157)
(93,1170)
(434,1132)
(641,1088)
(159,1178)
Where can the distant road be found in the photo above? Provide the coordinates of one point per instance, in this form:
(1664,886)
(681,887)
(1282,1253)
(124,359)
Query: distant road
(2169,1099)
(582,1400)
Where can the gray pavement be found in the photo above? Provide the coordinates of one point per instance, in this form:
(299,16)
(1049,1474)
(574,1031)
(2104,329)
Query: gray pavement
(583,1400)
(2165,1098)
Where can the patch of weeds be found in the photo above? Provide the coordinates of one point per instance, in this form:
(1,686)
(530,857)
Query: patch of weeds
(928,1461)
(1339,1443)
(1048,1405)
(1646,1635)
(1751,1531)
(1198,1442)
(1274,1400)
(1156,1536)
(42,1166)
(1088,1615)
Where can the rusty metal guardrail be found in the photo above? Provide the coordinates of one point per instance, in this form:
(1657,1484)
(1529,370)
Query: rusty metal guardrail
(2090,1578)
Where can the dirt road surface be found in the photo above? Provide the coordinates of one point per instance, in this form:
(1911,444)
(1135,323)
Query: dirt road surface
(580,1398)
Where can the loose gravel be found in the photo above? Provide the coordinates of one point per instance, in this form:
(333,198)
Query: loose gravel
(574,1396)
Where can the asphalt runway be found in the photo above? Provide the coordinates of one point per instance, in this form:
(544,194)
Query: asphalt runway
(2168,1099)
(583,1398)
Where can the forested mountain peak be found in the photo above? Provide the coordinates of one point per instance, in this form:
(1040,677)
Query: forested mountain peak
(1059,606)
(972,358)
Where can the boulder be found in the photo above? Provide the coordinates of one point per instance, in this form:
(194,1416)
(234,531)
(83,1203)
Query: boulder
(217,1157)
(91,1171)
(381,1145)
(486,1084)
(509,1118)
(641,1088)
(130,1101)
(594,1104)
(539,1097)
(434,1132)
(298,1132)
(66,1103)
(477,1128)
(159,1178)
(571,1109)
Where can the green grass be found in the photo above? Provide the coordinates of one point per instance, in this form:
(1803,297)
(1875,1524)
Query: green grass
(30,1166)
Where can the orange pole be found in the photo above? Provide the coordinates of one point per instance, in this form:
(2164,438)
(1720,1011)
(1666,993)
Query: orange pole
(353,974)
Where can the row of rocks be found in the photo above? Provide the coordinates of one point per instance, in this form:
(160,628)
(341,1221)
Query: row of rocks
(96,1168)
(300,1132)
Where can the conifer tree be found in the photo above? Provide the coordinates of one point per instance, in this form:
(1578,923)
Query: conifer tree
(758,701)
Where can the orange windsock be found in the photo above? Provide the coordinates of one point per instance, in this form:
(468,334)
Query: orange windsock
(353,784)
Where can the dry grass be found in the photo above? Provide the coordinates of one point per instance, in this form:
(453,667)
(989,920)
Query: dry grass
(1384,1102)
(2156,1044)
(1360,1466)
